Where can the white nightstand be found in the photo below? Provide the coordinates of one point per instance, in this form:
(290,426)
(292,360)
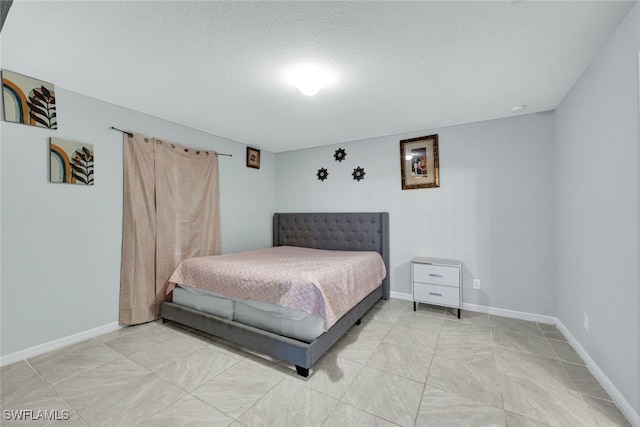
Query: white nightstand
(437,281)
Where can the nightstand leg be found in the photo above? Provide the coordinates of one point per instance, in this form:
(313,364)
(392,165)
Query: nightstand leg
(414,306)
(459,310)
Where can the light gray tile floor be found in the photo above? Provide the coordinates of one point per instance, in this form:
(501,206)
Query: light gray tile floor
(398,368)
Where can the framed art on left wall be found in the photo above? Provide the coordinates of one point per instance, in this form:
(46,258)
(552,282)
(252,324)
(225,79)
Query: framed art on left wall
(28,101)
(253,158)
(71,162)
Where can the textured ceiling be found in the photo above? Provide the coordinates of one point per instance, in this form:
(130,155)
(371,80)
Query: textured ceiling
(402,66)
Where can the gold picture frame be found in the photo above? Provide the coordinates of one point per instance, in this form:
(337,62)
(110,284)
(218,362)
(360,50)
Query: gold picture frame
(419,162)
(253,158)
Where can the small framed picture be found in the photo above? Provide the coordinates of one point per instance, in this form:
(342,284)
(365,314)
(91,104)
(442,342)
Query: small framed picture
(419,162)
(253,158)
(71,162)
(28,101)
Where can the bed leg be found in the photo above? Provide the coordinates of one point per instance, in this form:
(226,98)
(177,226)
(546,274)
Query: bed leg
(359,321)
(303,372)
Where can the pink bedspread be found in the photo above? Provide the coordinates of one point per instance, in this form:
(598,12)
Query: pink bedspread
(320,282)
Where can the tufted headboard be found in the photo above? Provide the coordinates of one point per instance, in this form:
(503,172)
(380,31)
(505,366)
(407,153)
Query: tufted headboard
(344,231)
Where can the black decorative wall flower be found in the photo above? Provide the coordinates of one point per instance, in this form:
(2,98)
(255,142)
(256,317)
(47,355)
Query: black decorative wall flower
(358,173)
(322,174)
(340,154)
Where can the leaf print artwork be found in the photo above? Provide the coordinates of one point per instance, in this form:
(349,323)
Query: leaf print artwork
(82,166)
(42,107)
(71,162)
(28,101)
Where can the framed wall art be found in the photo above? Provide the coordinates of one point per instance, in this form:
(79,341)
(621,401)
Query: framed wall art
(28,101)
(71,162)
(253,158)
(419,163)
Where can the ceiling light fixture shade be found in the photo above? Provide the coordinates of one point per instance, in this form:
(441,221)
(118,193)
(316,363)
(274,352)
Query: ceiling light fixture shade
(309,78)
(309,88)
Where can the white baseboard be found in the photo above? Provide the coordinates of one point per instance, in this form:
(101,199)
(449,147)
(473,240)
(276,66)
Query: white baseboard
(400,295)
(540,318)
(618,398)
(56,344)
(532,317)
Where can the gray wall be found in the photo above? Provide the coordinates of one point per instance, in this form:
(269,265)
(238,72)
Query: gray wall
(493,210)
(596,155)
(61,243)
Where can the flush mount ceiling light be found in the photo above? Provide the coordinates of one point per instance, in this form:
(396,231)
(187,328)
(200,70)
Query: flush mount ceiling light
(309,78)
(518,109)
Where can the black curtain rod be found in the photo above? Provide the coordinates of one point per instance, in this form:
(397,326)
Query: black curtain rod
(131,136)
(123,131)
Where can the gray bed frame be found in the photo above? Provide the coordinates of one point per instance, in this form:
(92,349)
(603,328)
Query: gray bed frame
(357,231)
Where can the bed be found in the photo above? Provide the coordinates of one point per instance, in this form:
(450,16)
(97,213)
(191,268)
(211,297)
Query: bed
(324,231)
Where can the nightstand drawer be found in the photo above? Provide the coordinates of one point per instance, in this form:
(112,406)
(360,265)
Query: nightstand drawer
(436,274)
(436,294)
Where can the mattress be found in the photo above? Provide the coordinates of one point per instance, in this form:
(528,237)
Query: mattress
(319,282)
(284,321)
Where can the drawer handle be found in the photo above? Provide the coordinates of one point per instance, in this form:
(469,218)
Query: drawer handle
(435,275)
(435,293)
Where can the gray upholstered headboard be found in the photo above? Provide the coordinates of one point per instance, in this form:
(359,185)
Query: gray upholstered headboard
(344,231)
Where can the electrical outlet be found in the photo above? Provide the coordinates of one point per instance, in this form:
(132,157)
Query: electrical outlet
(585,321)
(476,283)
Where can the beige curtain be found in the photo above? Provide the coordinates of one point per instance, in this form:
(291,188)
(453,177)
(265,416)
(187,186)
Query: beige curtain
(170,213)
